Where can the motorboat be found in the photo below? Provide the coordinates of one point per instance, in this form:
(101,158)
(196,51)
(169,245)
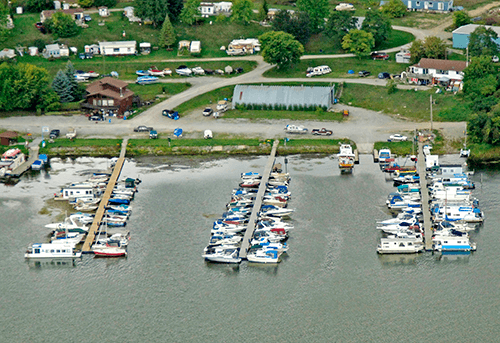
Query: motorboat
(198,71)
(184,71)
(70,224)
(64,237)
(252,183)
(346,158)
(250,174)
(167,71)
(142,72)
(270,210)
(37,165)
(156,72)
(406,179)
(263,242)
(399,227)
(51,250)
(384,155)
(222,255)
(146,80)
(454,213)
(225,239)
(399,246)
(398,203)
(401,218)
(264,255)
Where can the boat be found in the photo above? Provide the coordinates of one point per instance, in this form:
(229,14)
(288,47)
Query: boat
(454,213)
(184,71)
(346,159)
(71,224)
(270,210)
(264,255)
(156,72)
(222,255)
(37,165)
(110,250)
(401,218)
(65,237)
(167,71)
(11,159)
(406,179)
(250,183)
(142,72)
(51,250)
(146,80)
(225,239)
(384,155)
(399,246)
(453,243)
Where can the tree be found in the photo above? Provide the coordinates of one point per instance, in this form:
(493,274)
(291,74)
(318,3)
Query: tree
(460,18)
(167,34)
(190,12)
(378,25)
(296,24)
(339,24)
(482,42)
(86,3)
(4,12)
(174,9)
(358,42)
(37,6)
(280,48)
(242,11)
(317,10)
(432,47)
(70,72)
(394,9)
(62,86)
(154,10)
(62,24)
(263,10)
(107,3)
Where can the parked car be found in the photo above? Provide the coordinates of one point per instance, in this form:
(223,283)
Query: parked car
(397,138)
(207,112)
(86,17)
(54,133)
(295,129)
(384,75)
(322,132)
(170,114)
(364,73)
(379,55)
(153,134)
(143,128)
(39,26)
(96,118)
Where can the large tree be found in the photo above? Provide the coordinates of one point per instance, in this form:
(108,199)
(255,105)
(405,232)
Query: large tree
(460,18)
(378,25)
(37,6)
(174,9)
(482,42)
(431,47)
(339,24)
(242,11)
(4,12)
(107,3)
(358,42)
(280,48)
(62,25)
(62,86)
(394,9)
(190,12)
(154,10)
(317,11)
(167,34)
(296,24)
(77,91)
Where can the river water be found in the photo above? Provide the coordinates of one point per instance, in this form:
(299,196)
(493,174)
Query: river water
(332,286)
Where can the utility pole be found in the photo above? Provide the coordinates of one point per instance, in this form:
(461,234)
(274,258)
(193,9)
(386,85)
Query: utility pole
(431,113)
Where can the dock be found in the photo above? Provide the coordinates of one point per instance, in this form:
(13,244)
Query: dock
(245,244)
(356,156)
(24,167)
(94,228)
(425,198)
(375,155)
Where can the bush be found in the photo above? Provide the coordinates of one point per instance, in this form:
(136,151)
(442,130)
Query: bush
(391,87)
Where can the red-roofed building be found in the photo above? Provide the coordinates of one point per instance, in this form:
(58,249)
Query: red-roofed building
(109,94)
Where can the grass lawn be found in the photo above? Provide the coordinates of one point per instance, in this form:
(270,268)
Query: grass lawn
(407,103)
(193,142)
(292,115)
(421,20)
(149,92)
(205,99)
(340,67)
(471,4)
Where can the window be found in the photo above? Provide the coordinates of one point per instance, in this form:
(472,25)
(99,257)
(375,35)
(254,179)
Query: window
(95,102)
(425,71)
(37,251)
(111,102)
(105,102)
(58,251)
(418,3)
(116,50)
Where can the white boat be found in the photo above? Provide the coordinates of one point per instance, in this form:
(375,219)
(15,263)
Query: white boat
(453,213)
(263,242)
(401,218)
(198,71)
(384,155)
(399,246)
(346,158)
(184,71)
(225,239)
(110,251)
(453,243)
(270,210)
(222,255)
(264,255)
(70,238)
(145,80)
(70,223)
(51,250)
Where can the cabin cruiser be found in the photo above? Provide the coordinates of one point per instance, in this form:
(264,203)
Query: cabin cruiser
(270,210)
(402,217)
(406,179)
(220,238)
(346,159)
(71,224)
(64,237)
(399,246)
(466,213)
(222,255)
(51,250)
(264,255)
(109,249)
(263,242)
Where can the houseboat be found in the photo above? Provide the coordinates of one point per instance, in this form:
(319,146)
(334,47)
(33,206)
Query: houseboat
(399,246)
(11,159)
(51,250)
(453,243)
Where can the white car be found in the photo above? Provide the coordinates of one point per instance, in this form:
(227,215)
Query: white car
(397,138)
(295,129)
(343,6)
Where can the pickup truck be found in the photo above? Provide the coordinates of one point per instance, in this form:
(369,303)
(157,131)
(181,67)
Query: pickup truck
(322,132)
(71,134)
(295,129)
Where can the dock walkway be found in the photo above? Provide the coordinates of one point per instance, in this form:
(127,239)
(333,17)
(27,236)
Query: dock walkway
(425,198)
(245,245)
(89,240)
(33,156)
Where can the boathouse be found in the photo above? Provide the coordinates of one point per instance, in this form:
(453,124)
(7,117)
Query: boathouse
(287,96)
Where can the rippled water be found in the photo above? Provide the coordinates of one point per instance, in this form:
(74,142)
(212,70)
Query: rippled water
(332,286)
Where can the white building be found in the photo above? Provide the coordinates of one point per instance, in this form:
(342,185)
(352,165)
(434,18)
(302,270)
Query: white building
(215,8)
(118,48)
(432,71)
(195,47)
(104,12)
(33,50)
(7,53)
(55,50)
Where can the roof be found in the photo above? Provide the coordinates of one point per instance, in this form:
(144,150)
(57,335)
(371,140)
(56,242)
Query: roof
(119,43)
(469,28)
(52,47)
(97,88)
(430,63)
(9,134)
(49,13)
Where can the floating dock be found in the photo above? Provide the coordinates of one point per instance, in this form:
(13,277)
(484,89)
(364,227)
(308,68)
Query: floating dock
(375,155)
(245,244)
(425,198)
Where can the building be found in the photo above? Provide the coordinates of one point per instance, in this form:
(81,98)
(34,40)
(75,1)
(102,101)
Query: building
(184,44)
(118,48)
(208,9)
(403,57)
(195,47)
(33,51)
(433,71)
(431,6)
(55,51)
(283,96)
(243,46)
(109,94)
(7,53)
(145,48)
(8,138)
(75,13)
(103,11)
(461,35)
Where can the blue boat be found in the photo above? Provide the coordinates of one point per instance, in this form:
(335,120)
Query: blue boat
(142,72)
(146,80)
(37,165)
(43,158)
(119,201)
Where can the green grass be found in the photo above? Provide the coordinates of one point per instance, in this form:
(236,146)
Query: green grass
(292,115)
(183,142)
(397,148)
(407,103)
(79,142)
(340,67)
(82,147)
(471,4)
(421,20)
(397,38)
(149,92)
(205,99)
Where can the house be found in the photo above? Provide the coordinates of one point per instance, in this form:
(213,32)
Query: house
(103,11)
(434,71)
(75,13)
(118,48)
(243,46)
(145,48)
(431,6)
(206,9)
(33,50)
(184,44)
(195,47)
(215,8)
(403,57)
(55,51)
(109,94)
(92,49)
(7,53)
(283,95)
(8,138)
(461,35)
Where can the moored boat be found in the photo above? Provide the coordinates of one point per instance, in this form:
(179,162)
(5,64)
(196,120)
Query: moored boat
(51,250)
(346,158)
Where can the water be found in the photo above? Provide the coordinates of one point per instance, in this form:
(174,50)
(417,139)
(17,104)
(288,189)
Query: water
(332,286)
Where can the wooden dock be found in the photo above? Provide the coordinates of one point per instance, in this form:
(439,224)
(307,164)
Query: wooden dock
(33,156)
(94,229)
(245,244)
(425,198)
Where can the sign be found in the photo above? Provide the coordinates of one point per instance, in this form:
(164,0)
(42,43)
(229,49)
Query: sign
(45,129)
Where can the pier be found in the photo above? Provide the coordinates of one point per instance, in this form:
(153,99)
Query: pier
(33,156)
(245,245)
(94,228)
(425,198)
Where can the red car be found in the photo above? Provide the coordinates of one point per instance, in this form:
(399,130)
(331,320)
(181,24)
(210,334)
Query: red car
(378,55)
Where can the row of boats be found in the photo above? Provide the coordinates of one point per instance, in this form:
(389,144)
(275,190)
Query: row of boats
(268,241)
(112,237)
(454,211)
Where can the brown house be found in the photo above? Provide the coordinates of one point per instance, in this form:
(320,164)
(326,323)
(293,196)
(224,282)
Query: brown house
(75,13)
(109,94)
(8,137)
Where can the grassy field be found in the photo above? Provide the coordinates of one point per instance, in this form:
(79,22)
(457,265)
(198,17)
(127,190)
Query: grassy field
(292,115)
(205,99)
(149,92)
(82,147)
(340,67)
(406,103)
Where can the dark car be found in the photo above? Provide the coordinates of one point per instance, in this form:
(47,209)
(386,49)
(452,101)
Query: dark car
(41,28)
(96,118)
(364,73)
(384,75)
(143,128)
(54,133)
(379,55)
(208,112)
(239,70)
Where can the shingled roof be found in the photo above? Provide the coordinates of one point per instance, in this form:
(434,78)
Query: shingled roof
(430,63)
(98,87)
